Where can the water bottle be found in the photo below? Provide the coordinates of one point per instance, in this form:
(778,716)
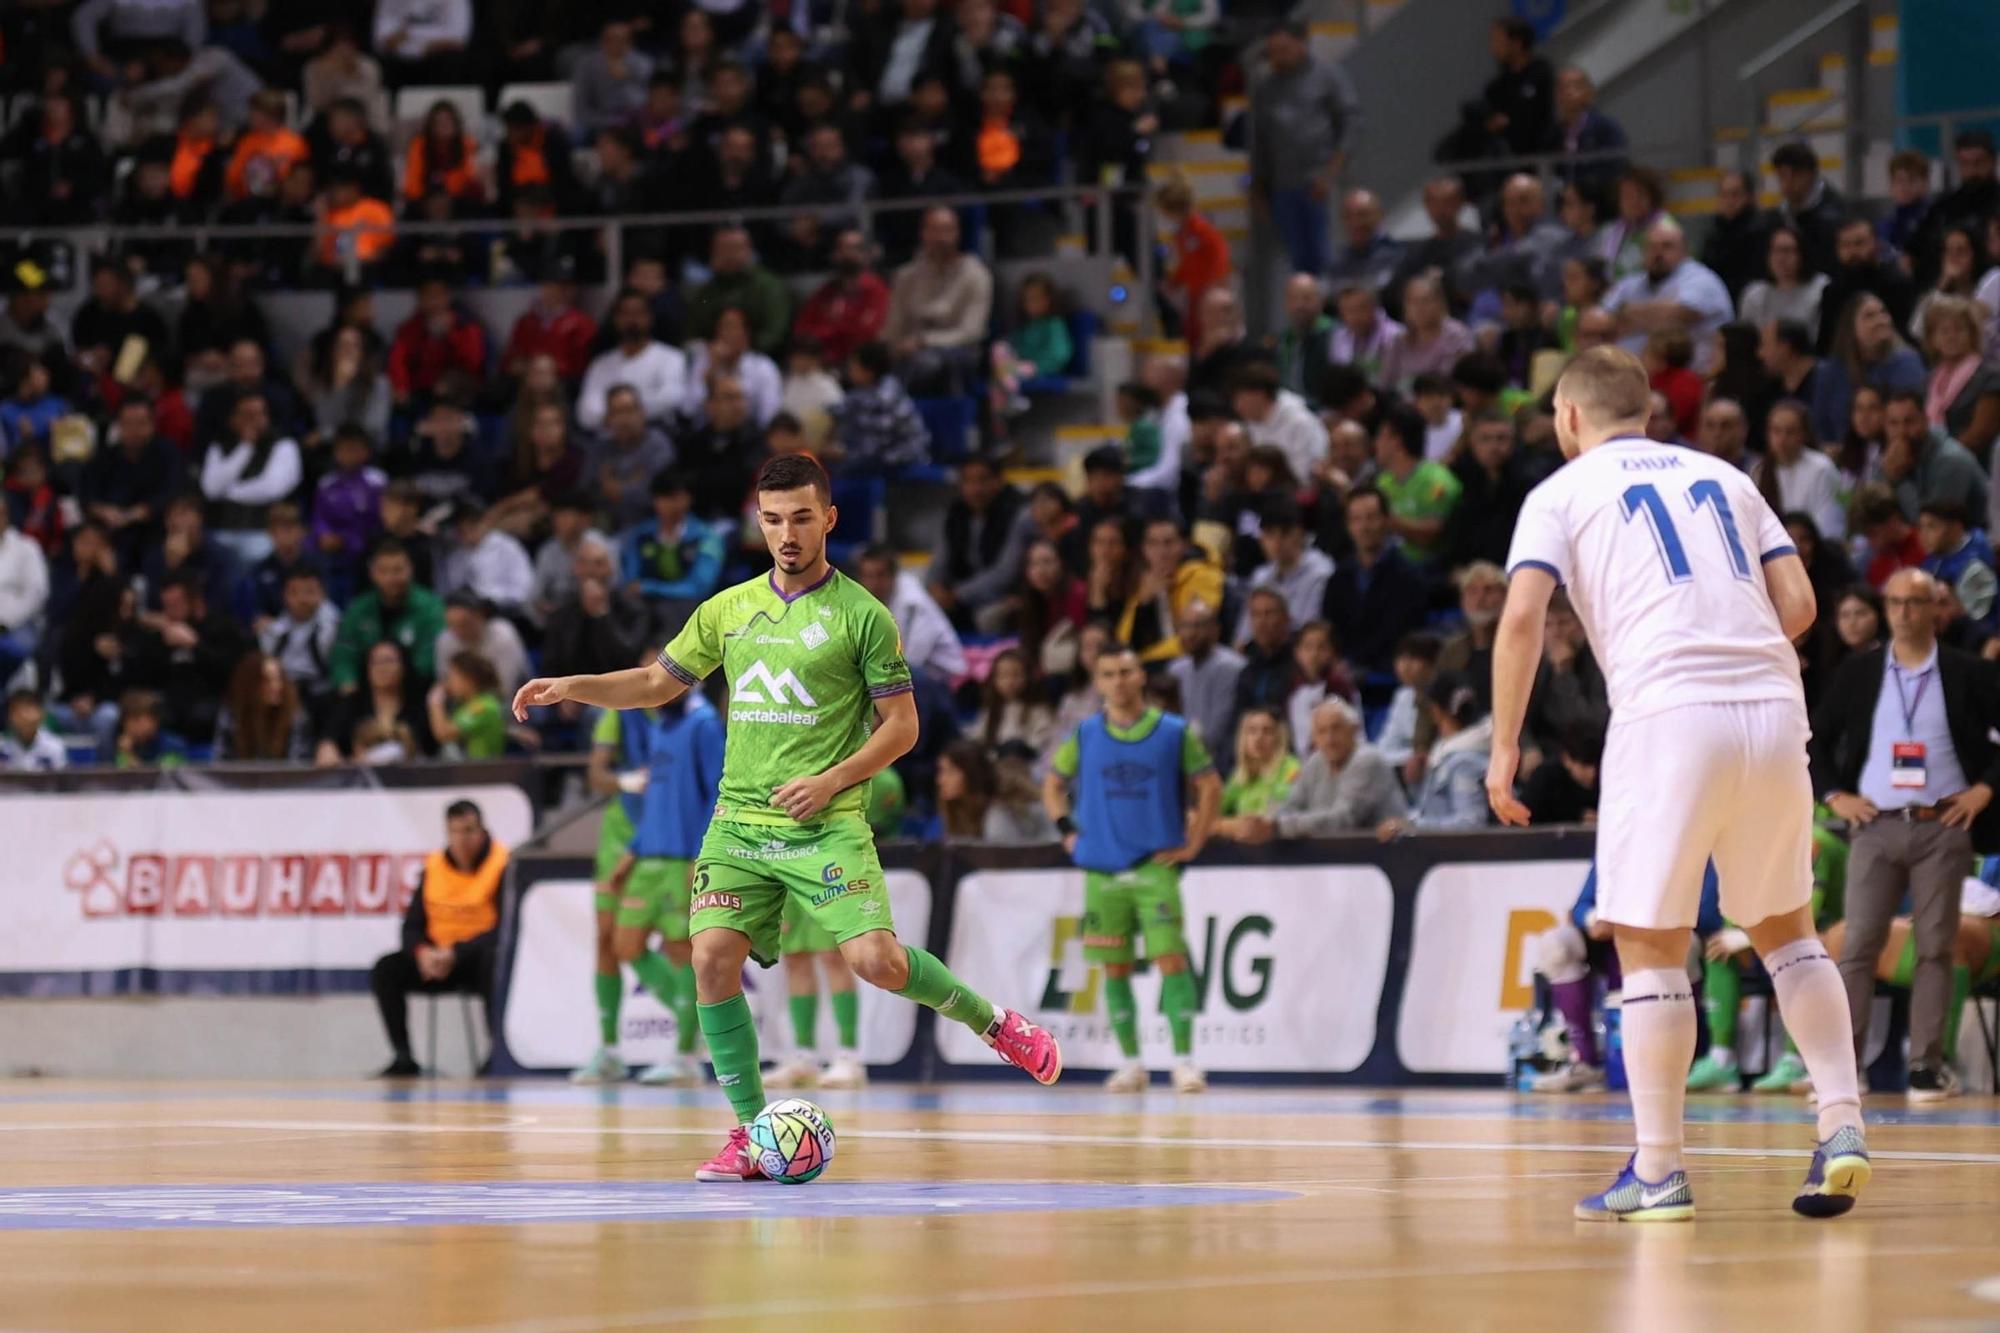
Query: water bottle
(1613,1043)
(1524,1044)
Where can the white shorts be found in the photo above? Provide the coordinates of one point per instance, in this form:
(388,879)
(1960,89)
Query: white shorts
(1722,780)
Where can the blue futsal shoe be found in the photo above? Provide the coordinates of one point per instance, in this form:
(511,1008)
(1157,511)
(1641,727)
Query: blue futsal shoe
(1839,1170)
(1631,1199)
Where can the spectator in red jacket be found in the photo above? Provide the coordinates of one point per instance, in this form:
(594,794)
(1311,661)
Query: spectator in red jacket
(439,339)
(853,306)
(555,327)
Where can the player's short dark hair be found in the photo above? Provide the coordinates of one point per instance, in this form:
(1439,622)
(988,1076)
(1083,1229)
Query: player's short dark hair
(1848,224)
(1282,514)
(460,809)
(1914,397)
(1053,490)
(1796,157)
(1257,377)
(1104,458)
(1795,335)
(1364,493)
(24,696)
(300,573)
(1207,405)
(1430,382)
(388,546)
(1981,140)
(1482,372)
(784,423)
(874,358)
(1421,644)
(673,481)
(985,462)
(1946,510)
(794,472)
(1340,385)
(878,553)
(1408,427)
(467,600)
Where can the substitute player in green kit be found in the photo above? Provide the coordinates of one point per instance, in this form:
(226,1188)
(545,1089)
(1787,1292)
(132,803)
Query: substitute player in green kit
(811,659)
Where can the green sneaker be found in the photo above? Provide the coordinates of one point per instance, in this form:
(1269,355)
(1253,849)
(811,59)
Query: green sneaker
(603,1067)
(1713,1075)
(1788,1075)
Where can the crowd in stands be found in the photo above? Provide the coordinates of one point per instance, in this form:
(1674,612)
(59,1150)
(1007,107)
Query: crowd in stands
(206,553)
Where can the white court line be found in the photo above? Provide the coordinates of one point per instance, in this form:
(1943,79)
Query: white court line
(1313,1277)
(1020,1137)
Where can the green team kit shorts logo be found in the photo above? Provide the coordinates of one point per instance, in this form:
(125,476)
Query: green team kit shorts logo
(791,888)
(1143,902)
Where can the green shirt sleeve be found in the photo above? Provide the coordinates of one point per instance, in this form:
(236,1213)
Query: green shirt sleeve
(1194,755)
(608,731)
(482,729)
(883,669)
(697,649)
(1064,760)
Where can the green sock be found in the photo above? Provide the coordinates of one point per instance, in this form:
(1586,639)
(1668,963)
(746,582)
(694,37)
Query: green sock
(610,994)
(1961,991)
(1123,1012)
(1722,990)
(847,1018)
(732,1049)
(686,1027)
(656,974)
(805,1021)
(1177,1002)
(933,986)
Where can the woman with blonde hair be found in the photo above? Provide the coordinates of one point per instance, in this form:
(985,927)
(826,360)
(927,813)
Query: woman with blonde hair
(1264,771)
(1962,397)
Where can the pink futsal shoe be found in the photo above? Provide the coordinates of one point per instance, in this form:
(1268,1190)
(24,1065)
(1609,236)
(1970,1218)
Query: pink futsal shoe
(1026,1046)
(734,1162)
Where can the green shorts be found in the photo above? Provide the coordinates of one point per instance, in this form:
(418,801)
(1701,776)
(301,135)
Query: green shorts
(656,896)
(1143,901)
(749,874)
(614,835)
(799,933)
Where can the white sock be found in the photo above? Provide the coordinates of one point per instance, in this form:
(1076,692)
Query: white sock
(1658,1022)
(1814,1005)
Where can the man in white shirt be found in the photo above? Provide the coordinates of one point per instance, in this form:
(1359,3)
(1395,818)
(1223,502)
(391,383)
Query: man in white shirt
(244,477)
(24,592)
(1674,292)
(1293,568)
(656,372)
(302,638)
(930,643)
(491,563)
(1691,594)
(1277,416)
(471,626)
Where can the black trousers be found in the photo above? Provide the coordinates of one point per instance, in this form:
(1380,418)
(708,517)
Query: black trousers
(395,976)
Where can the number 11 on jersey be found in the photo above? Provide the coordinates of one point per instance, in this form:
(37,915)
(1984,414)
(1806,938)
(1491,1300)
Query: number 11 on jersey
(1645,498)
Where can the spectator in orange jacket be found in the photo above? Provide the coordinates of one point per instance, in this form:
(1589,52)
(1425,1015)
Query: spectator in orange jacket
(266,151)
(353,223)
(440,339)
(1198,257)
(443,157)
(852,307)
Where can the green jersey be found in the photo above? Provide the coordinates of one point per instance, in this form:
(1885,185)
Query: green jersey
(1430,491)
(804,673)
(482,727)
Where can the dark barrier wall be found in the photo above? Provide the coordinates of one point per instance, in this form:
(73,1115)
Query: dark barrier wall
(1305,953)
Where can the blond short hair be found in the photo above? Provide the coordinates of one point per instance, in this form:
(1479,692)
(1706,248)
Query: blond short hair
(1608,384)
(1959,308)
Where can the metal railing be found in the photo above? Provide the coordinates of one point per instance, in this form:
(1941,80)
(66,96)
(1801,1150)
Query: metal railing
(1854,47)
(1090,208)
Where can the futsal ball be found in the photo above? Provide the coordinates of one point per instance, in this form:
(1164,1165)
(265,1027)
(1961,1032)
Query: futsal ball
(791,1141)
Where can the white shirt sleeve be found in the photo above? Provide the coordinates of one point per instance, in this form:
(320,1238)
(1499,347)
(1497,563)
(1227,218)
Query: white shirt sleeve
(1540,541)
(280,477)
(220,469)
(596,384)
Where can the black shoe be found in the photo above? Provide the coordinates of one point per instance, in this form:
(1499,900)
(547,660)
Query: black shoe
(1933,1085)
(401,1067)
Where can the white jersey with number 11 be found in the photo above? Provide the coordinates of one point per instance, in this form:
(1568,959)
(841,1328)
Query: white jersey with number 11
(1662,549)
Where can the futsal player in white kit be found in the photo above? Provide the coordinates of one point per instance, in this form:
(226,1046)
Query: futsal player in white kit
(1690,592)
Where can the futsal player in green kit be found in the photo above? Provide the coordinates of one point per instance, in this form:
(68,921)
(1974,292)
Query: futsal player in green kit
(1132,770)
(811,660)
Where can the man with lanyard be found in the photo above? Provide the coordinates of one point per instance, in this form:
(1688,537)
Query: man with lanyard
(1132,769)
(1901,750)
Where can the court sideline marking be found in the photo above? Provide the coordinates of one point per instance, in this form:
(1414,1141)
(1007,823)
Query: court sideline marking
(684,1314)
(532,1125)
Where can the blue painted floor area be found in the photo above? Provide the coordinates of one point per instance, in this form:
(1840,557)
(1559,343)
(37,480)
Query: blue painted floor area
(510,1203)
(1086,1100)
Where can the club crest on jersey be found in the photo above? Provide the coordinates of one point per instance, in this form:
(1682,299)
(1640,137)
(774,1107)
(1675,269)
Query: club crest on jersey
(813,635)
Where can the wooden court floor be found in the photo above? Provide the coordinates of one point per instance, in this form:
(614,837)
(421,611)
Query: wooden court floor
(537,1208)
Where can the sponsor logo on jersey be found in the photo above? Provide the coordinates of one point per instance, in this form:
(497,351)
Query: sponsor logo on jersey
(857,886)
(828,894)
(777,849)
(703,901)
(829,873)
(872,907)
(813,635)
(760,685)
(775,638)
